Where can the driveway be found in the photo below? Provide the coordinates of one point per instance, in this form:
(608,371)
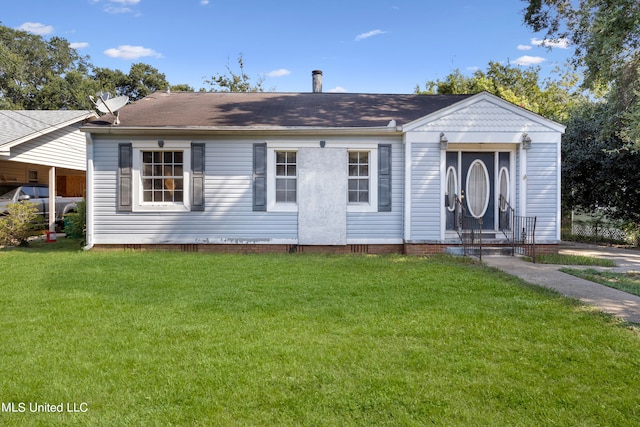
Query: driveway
(626,259)
(621,304)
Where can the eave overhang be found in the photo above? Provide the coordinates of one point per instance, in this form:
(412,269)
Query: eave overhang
(242,130)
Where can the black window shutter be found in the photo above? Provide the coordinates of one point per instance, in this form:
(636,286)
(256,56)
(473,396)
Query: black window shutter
(125,160)
(384,178)
(197,176)
(260,177)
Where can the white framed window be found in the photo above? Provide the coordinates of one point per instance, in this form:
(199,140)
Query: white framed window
(362,175)
(282,177)
(286,176)
(161,176)
(359,179)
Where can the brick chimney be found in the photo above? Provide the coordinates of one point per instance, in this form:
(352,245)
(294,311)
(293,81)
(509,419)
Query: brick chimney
(317,81)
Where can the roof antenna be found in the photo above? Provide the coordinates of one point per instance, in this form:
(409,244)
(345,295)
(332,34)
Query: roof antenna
(106,104)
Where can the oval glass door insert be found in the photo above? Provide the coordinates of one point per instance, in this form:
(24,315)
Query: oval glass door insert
(452,188)
(504,189)
(477,189)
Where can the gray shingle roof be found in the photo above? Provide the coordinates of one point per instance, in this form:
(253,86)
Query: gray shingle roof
(20,125)
(272,109)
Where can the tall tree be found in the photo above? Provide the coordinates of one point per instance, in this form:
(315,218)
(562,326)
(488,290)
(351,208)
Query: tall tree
(521,86)
(144,79)
(35,73)
(183,87)
(235,81)
(604,33)
(48,75)
(601,148)
(606,38)
(598,172)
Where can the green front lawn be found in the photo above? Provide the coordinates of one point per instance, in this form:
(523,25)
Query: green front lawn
(167,338)
(573,260)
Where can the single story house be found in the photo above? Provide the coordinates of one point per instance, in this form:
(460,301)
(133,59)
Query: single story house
(44,147)
(301,172)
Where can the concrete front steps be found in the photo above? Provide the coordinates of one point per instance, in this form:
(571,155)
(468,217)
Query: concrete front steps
(493,243)
(475,251)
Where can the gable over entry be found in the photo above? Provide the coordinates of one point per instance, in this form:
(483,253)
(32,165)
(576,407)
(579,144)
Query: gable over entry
(488,148)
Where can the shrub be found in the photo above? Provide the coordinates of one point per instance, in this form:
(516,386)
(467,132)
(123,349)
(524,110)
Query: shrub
(19,223)
(76,222)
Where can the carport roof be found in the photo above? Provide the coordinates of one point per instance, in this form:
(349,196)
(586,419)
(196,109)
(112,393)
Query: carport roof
(18,126)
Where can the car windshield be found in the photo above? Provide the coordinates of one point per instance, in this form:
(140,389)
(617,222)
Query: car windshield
(9,195)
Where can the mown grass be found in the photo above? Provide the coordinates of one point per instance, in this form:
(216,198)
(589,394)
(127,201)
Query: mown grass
(628,282)
(563,259)
(153,338)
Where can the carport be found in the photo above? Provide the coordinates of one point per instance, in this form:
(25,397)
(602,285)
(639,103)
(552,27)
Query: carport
(44,147)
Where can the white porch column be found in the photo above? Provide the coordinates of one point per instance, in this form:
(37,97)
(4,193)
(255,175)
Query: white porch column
(52,198)
(523,182)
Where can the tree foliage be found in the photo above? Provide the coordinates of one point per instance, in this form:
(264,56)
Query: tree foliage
(235,82)
(598,171)
(606,37)
(39,74)
(518,85)
(601,159)
(604,33)
(49,75)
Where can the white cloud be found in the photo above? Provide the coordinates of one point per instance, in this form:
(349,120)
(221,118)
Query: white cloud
(78,45)
(122,6)
(36,28)
(524,47)
(529,60)
(369,34)
(559,43)
(279,73)
(204,2)
(116,10)
(131,52)
(337,89)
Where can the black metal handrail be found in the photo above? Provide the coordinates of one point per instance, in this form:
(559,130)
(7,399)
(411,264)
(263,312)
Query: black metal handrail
(469,229)
(519,230)
(505,219)
(524,236)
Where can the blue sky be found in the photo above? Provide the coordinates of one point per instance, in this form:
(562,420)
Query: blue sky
(368,46)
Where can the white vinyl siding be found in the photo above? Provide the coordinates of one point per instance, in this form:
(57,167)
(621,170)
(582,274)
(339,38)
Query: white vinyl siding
(63,148)
(228,215)
(542,191)
(382,227)
(426,198)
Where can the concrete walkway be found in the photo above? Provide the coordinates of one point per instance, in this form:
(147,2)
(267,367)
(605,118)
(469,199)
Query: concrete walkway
(621,304)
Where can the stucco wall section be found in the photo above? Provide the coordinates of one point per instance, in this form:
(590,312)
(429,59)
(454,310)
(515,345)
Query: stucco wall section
(322,190)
